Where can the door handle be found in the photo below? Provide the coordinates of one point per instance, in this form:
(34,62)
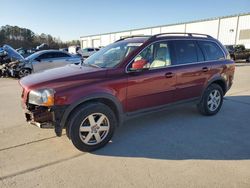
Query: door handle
(205,69)
(169,75)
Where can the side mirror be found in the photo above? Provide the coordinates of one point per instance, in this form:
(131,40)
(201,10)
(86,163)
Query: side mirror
(138,65)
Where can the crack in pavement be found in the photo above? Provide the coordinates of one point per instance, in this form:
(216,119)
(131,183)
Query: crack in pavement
(27,143)
(40,167)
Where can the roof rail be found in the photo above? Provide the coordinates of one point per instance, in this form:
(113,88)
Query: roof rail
(187,34)
(133,36)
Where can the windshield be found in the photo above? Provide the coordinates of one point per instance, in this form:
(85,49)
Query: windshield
(112,55)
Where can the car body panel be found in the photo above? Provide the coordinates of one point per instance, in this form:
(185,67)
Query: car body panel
(151,86)
(191,79)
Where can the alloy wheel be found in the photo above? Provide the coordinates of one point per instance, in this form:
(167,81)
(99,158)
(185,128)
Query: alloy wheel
(214,100)
(94,129)
(23,73)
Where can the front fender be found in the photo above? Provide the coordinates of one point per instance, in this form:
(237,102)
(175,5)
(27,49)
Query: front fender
(94,96)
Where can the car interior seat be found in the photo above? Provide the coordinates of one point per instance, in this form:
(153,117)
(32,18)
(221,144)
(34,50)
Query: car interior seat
(162,58)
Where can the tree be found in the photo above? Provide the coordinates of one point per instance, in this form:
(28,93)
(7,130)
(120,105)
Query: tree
(22,37)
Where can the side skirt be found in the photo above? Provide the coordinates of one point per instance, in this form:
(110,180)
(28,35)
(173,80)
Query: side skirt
(137,113)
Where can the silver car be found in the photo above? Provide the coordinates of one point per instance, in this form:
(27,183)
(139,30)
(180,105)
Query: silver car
(48,59)
(40,61)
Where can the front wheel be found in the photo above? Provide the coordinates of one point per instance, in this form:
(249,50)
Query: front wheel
(211,100)
(92,126)
(24,72)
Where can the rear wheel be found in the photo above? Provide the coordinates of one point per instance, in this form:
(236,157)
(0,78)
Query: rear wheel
(92,126)
(24,72)
(211,101)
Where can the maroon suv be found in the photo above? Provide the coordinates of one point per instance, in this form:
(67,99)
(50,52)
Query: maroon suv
(133,75)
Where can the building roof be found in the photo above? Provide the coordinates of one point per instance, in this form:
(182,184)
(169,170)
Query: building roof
(180,23)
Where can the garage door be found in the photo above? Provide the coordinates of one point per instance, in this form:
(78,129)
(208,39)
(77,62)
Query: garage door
(96,43)
(84,44)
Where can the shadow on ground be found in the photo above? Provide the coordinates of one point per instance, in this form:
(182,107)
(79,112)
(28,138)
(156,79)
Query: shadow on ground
(182,133)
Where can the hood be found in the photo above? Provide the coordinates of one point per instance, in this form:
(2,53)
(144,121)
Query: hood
(62,77)
(12,53)
(2,52)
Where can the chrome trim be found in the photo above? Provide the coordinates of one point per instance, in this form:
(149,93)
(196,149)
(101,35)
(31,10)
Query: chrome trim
(166,40)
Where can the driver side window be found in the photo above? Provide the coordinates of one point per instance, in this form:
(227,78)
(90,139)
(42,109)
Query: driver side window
(154,56)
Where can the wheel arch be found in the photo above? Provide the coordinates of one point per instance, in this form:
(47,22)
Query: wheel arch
(23,68)
(107,99)
(216,80)
(222,83)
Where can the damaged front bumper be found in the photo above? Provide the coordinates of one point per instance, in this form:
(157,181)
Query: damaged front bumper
(45,117)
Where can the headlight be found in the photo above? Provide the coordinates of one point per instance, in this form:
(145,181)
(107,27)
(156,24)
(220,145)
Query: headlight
(44,97)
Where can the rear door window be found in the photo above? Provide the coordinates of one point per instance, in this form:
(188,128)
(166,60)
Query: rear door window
(186,51)
(211,50)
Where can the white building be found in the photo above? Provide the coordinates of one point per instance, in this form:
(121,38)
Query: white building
(229,30)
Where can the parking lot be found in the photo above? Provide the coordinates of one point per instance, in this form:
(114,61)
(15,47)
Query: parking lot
(177,147)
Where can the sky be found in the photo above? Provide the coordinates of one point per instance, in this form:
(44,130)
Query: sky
(70,19)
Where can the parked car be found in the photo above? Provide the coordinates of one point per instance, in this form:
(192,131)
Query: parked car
(238,52)
(47,59)
(10,61)
(86,52)
(132,76)
(40,61)
(3,56)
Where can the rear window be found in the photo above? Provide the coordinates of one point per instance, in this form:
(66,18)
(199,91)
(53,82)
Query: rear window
(211,50)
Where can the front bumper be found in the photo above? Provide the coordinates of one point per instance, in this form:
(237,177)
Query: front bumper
(41,117)
(45,117)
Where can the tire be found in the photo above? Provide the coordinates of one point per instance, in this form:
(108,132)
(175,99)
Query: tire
(24,72)
(211,100)
(89,121)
